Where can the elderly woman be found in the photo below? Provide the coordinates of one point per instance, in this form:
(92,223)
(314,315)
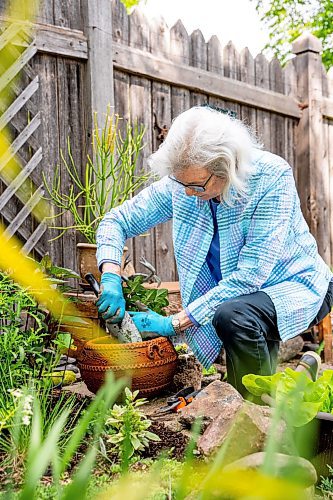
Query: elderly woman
(249,269)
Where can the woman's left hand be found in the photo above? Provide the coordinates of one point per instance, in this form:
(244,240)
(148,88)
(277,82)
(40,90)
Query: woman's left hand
(153,322)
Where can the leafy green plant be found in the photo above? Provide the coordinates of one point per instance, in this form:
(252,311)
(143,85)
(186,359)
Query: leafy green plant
(58,276)
(127,427)
(210,371)
(155,299)
(326,483)
(288,19)
(21,335)
(181,348)
(110,178)
(46,445)
(302,397)
(16,418)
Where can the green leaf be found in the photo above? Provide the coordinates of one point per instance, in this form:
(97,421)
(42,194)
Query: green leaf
(152,436)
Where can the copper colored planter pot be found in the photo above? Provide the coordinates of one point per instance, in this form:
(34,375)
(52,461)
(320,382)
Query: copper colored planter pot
(150,364)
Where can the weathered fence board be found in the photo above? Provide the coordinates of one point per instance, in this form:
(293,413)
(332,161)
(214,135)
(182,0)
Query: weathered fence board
(161,107)
(140,110)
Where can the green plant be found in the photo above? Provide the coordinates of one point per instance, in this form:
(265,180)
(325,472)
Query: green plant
(21,335)
(57,275)
(46,446)
(212,370)
(181,348)
(288,19)
(155,299)
(326,483)
(15,425)
(110,177)
(302,397)
(127,427)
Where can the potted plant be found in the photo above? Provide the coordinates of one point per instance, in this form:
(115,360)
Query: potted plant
(111,177)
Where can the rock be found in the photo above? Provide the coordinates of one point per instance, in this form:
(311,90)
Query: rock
(218,398)
(297,469)
(241,430)
(189,373)
(220,368)
(208,379)
(79,388)
(290,349)
(70,367)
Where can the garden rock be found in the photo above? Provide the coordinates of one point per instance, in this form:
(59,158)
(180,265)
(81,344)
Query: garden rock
(242,430)
(208,379)
(297,468)
(188,374)
(218,398)
(290,349)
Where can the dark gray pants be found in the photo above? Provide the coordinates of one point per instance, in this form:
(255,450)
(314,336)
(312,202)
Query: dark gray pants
(247,326)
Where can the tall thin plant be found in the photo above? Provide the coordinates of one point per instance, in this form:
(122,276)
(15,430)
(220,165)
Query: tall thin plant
(110,176)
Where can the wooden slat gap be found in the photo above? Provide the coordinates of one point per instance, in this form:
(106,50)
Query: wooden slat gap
(24,213)
(10,74)
(32,241)
(20,179)
(20,140)
(19,102)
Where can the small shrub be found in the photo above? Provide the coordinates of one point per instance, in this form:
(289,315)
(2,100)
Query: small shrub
(127,427)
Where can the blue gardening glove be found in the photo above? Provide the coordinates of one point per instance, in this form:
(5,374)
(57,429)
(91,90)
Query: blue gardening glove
(152,322)
(111,302)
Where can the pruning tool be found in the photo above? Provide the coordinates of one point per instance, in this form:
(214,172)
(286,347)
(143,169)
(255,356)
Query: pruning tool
(179,400)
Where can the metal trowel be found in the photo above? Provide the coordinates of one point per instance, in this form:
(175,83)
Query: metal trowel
(124,332)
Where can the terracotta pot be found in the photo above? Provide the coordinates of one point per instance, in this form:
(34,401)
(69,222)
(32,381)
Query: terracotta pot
(86,310)
(150,364)
(88,264)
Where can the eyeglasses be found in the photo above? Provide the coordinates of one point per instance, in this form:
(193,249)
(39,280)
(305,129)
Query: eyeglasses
(195,187)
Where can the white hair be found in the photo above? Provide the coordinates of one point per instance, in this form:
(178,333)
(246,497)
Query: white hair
(203,137)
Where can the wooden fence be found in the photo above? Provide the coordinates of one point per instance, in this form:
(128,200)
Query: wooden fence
(157,72)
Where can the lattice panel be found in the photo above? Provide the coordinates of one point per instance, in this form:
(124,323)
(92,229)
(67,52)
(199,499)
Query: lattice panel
(20,118)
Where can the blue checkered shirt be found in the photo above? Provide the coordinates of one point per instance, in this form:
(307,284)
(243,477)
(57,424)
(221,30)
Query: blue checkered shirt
(265,244)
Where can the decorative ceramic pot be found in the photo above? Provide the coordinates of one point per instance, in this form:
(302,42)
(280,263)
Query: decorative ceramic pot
(150,364)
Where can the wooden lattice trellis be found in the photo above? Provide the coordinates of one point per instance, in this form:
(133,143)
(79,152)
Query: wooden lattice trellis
(19,114)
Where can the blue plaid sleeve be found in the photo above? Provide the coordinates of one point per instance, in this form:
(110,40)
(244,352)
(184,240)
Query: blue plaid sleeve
(152,206)
(261,252)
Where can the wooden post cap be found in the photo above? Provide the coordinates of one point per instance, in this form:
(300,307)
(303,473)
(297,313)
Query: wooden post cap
(307,43)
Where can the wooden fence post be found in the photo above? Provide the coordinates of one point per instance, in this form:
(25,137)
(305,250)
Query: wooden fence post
(311,156)
(99,79)
(312,169)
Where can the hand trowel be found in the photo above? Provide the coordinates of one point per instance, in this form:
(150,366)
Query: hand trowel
(124,332)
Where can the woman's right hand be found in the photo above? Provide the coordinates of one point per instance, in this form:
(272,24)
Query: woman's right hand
(111,302)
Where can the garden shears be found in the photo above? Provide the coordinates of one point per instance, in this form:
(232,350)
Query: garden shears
(179,400)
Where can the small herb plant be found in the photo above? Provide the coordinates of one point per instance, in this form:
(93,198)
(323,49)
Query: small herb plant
(155,299)
(127,427)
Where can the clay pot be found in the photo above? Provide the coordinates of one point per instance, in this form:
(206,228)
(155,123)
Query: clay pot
(88,264)
(150,364)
